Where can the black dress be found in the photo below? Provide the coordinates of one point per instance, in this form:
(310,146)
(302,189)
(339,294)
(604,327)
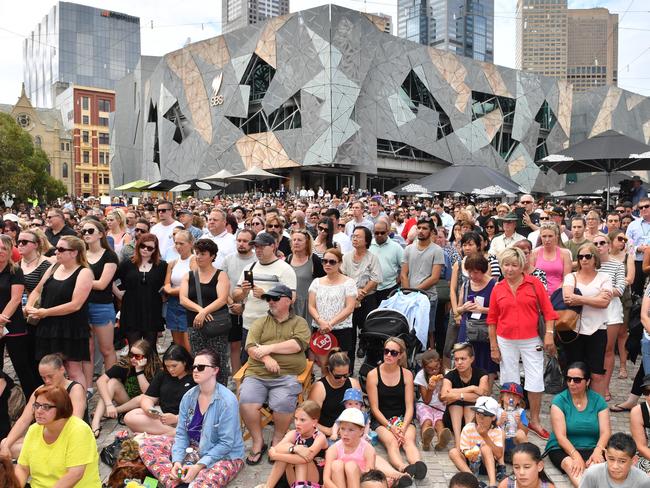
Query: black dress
(333,402)
(67,334)
(142,301)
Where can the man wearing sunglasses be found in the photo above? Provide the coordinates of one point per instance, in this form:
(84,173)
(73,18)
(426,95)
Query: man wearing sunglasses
(57,226)
(639,233)
(164,229)
(276,345)
(390,255)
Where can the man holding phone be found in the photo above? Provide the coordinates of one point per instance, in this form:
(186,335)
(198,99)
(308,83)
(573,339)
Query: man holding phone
(528,220)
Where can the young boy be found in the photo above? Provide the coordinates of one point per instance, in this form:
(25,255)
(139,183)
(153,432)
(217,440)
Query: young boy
(374,479)
(463,480)
(618,470)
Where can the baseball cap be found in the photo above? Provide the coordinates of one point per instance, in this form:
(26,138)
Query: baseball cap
(557,211)
(10,216)
(263,239)
(184,211)
(352,394)
(512,387)
(486,405)
(278,291)
(321,343)
(352,415)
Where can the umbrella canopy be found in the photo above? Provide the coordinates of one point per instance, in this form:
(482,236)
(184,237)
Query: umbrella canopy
(219,175)
(608,151)
(136,185)
(597,184)
(255,174)
(195,185)
(161,185)
(470,178)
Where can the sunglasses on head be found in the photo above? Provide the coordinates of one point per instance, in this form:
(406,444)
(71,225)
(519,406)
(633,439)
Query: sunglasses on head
(90,231)
(391,352)
(24,242)
(574,379)
(147,248)
(585,256)
(200,367)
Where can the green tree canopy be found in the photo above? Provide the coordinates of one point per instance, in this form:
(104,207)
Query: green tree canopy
(24,169)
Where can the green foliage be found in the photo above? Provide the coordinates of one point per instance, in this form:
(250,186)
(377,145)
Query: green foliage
(24,169)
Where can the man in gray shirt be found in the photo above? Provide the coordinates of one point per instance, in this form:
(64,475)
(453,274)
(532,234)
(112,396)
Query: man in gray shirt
(618,470)
(421,267)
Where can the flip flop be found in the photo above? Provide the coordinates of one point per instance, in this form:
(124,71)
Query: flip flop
(257,455)
(97,432)
(618,408)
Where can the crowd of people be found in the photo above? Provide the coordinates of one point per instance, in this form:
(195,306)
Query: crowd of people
(266,286)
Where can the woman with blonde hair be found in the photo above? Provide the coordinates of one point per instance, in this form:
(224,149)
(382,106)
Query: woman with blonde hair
(592,225)
(63,313)
(551,257)
(116,224)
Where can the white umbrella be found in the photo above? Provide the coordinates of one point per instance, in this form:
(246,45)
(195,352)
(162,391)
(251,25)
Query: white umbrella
(219,175)
(389,193)
(424,195)
(254,173)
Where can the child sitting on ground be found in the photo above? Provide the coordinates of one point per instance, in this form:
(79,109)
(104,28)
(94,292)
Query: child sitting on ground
(528,468)
(512,417)
(481,443)
(429,410)
(353,398)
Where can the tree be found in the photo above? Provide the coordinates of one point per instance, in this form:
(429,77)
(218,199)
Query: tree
(24,169)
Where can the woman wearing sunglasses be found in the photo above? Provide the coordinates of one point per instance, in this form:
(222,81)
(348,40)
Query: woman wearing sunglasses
(391,393)
(141,279)
(63,313)
(325,237)
(274,224)
(215,454)
(596,293)
(491,229)
(581,425)
(101,311)
(121,386)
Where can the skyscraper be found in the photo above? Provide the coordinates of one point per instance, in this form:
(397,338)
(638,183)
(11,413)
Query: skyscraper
(465,27)
(236,14)
(579,45)
(78,45)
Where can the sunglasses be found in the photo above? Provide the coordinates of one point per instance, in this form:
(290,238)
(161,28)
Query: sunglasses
(273,226)
(544,218)
(643,206)
(89,231)
(585,256)
(490,227)
(331,262)
(163,210)
(200,367)
(24,242)
(391,352)
(341,376)
(272,299)
(62,249)
(600,243)
(294,222)
(46,407)
(574,379)
(322,229)
(139,230)
(138,357)
(621,239)
(380,233)
(147,248)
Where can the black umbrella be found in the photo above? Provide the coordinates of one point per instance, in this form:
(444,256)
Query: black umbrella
(595,184)
(196,185)
(608,151)
(463,178)
(160,185)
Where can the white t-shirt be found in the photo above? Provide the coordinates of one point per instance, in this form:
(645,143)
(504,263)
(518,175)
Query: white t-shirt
(330,300)
(165,235)
(592,318)
(343,241)
(227,245)
(420,380)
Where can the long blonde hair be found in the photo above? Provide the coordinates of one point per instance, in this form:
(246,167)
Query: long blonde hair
(42,244)
(9,245)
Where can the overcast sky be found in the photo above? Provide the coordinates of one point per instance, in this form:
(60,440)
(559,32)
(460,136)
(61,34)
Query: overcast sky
(167,24)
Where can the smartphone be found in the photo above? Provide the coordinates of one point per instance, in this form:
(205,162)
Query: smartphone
(248,276)
(155,411)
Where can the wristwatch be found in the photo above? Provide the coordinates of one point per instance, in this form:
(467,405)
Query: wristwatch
(291,449)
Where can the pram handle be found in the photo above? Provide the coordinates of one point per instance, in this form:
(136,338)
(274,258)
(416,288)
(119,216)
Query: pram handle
(406,291)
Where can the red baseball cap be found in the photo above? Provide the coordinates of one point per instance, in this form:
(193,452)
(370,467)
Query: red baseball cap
(321,343)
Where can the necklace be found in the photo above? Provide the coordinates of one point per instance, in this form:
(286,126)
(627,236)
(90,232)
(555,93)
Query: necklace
(27,263)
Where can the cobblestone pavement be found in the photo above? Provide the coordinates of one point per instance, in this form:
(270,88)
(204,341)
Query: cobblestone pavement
(441,469)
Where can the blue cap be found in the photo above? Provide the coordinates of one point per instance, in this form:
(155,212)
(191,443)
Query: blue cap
(352,394)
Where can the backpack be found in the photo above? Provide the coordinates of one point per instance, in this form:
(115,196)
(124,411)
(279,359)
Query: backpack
(445,273)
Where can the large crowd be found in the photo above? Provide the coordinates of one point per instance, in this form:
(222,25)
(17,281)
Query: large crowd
(271,299)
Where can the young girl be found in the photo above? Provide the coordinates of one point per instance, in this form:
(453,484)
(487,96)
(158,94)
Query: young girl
(528,469)
(512,417)
(429,409)
(301,453)
(351,456)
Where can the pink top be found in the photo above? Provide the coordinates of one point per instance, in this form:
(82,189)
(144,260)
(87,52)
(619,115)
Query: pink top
(355,456)
(554,269)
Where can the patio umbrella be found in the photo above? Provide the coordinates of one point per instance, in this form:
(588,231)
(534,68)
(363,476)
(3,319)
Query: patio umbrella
(463,178)
(219,175)
(608,151)
(597,184)
(132,186)
(196,185)
(254,174)
(161,185)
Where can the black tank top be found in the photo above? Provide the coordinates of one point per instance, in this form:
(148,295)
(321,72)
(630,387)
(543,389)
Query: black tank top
(332,406)
(208,294)
(69,389)
(392,401)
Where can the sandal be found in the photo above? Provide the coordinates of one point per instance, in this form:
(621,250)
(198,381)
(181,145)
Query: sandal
(254,458)
(97,432)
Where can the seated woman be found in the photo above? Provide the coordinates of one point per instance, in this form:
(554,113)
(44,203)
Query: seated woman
(52,371)
(391,392)
(166,389)
(199,452)
(124,383)
(461,387)
(581,428)
(329,390)
(61,438)
(640,428)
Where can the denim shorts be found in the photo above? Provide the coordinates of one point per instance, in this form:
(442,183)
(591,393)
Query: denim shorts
(101,314)
(176,315)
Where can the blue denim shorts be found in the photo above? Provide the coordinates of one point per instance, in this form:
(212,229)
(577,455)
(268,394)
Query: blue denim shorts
(101,314)
(176,315)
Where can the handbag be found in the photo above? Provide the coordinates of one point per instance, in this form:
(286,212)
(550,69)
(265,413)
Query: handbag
(220,323)
(553,377)
(541,323)
(477,330)
(569,316)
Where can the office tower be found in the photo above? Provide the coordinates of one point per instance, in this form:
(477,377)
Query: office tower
(579,45)
(236,14)
(387,21)
(465,27)
(78,45)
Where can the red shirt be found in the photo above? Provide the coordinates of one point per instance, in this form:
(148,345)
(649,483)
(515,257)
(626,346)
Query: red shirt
(516,316)
(407,227)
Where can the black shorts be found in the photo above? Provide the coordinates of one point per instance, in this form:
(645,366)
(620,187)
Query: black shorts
(345,337)
(557,456)
(589,349)
(235,333)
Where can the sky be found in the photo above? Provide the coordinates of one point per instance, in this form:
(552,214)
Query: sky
(167,25)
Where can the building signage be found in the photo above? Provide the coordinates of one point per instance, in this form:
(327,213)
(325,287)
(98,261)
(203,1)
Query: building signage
(216,99)
(119,16)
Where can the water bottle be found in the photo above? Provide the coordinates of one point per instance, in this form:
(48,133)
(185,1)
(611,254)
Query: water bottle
(511,422)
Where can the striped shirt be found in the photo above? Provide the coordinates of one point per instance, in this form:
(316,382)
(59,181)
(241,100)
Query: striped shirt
(616,271)
(470,439)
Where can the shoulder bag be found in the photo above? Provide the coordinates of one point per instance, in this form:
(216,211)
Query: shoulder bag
(569,316)
(220,323)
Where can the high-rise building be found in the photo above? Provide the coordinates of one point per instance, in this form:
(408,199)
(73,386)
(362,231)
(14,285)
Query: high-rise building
(236,14)
(465,27)
(579,45)
(80,45)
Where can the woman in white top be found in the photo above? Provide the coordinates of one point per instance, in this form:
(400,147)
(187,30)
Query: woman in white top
(596,293)
(176,315)
(116,223)
(331,302)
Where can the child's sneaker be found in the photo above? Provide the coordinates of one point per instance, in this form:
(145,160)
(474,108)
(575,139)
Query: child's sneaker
(501,472)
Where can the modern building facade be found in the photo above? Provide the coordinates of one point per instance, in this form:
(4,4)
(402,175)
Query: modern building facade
(464,27)
(236,14)
(579,45)
(78,45)
(325,97)
(48,133)
(85,113)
